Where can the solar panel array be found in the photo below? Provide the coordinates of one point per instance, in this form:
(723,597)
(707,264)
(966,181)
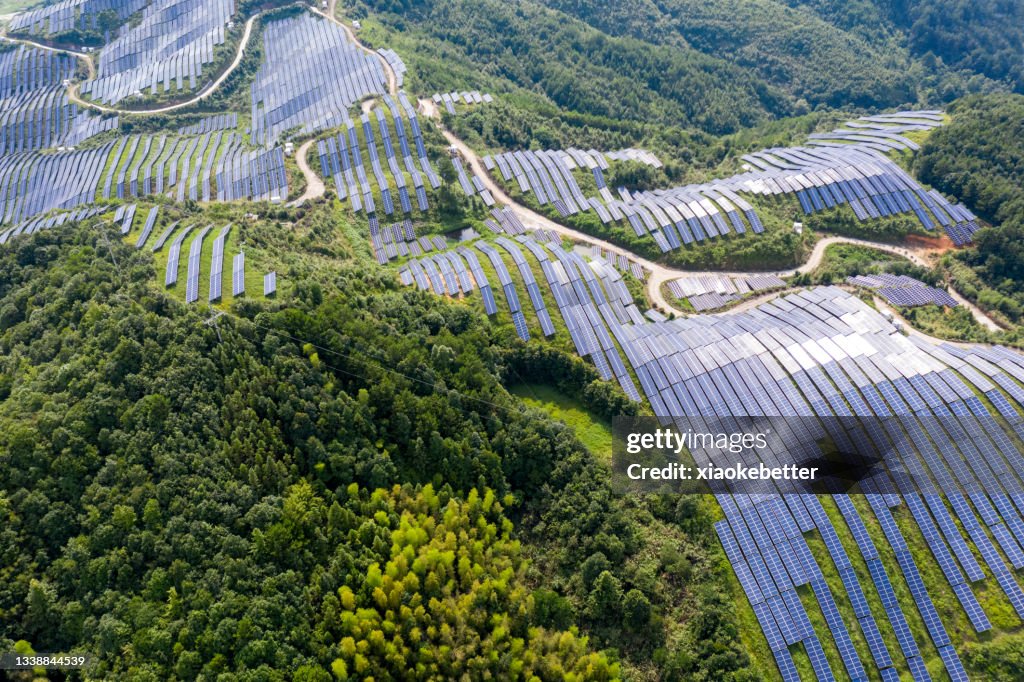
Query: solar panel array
(164,51)
(394,241)
(217,265)
(679,217)
(238,274)
(269,284)
(883,132)
(830,173)
(35,112)
(173,258)
(311,74)
(211,124)
(396,64)
(846,168)
(212,165)
(33,183)
(45,223)
(147,229)
(389,146)
(811,356)
(69,15)
(619,261)
(195,253)
(639,155)
(710,292)
(450,99)
(904,291)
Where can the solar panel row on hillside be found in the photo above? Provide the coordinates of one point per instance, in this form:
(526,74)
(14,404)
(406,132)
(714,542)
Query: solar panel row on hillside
(46,223)
(823,352)
(300,54)
(67,15)
(165,50)
(217,265)
(194,263)
(34,183)
(35,112)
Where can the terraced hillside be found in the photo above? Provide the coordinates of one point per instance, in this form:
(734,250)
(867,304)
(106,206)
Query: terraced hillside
(315,318)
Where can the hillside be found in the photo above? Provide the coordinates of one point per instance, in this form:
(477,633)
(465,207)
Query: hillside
(980,158)
(325,330)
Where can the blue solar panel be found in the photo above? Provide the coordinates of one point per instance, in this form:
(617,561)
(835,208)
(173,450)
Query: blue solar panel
(954,668)
(876,645)
(918,670)
(972,608)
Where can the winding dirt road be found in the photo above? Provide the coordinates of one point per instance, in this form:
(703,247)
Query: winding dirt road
(203,94)
(90,65)
(315,187)
(659,274)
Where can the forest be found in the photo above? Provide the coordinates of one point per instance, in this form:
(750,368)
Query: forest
(326,485)
(979,157)
(718,67)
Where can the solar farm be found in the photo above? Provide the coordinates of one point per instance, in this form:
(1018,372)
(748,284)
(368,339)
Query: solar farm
(813,356)
(304,55)
(903,291)
(846,168)
(842,586)
(165,51)
(451,100)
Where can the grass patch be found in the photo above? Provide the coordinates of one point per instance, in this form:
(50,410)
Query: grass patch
(595,433)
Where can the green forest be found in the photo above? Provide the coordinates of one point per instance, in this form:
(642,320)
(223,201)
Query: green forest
(979,157)
(718,67)
(186,501)
(359,480)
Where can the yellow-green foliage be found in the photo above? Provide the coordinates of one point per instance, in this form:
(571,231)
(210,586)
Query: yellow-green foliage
(447,599)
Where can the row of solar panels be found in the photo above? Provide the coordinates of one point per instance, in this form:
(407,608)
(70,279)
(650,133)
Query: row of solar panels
(904,291)
(396,64)
(450,99)
(166,50)
(45,118)
(211,124)
(857,173)
(24,69)
(569,280)
(397,240)
(822,353)
(45,223)
(617,260)
(301,54)
(216,276)
(825,176)
(33,183)
(67,15)
(341,160)
(202,167)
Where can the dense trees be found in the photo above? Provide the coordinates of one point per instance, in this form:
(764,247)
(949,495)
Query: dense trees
(813,62)
(185,505)
(419,605)
(714,66)
(584,70)
(979,157)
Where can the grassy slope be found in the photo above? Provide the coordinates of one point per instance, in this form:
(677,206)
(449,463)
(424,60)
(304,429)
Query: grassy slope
(595,433)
